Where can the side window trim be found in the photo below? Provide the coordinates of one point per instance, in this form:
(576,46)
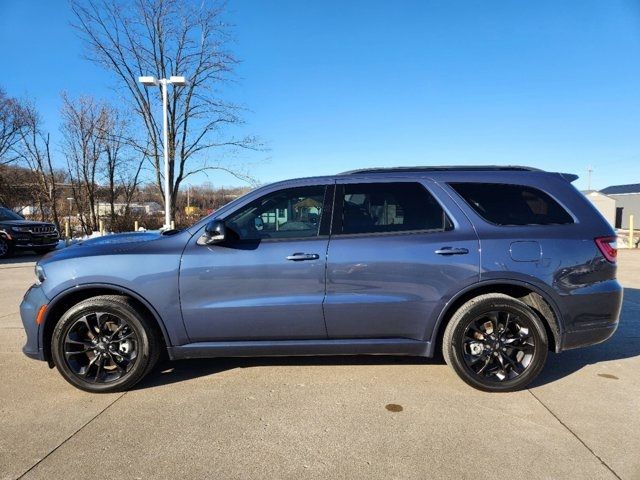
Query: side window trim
(327,210)
(336,218)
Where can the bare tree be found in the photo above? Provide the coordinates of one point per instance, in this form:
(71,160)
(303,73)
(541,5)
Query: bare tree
(123,163)
(12,121)
(17,186)
(164,38)
(129,181)
(114,141)
(83,146)
(35,150)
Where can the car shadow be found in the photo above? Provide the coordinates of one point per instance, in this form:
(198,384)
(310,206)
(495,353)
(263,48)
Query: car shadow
(625,343)
(169,372)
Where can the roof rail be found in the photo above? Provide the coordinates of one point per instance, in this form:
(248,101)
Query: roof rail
(455,168)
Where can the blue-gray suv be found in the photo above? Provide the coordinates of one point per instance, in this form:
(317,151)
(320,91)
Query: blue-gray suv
(493,266)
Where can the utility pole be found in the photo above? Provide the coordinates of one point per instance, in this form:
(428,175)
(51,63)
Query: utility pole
(68,229)
(589,171)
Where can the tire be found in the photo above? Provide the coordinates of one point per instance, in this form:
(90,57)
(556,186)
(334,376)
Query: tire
(6,249)
(91,362)
(490,358)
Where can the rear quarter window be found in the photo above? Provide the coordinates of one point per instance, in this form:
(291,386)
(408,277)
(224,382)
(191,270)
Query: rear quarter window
(506,204)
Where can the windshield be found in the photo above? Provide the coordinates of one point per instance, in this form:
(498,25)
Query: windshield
(6,214)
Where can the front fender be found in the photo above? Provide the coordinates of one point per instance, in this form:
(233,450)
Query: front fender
(79,291)
(5,235)
(150,277)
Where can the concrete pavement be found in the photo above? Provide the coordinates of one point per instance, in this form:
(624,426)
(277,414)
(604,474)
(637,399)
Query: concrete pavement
(324,417)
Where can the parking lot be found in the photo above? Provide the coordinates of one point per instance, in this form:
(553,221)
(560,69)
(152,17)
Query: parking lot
(348,417)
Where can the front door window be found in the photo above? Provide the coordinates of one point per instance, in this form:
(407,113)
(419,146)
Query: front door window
(290,213)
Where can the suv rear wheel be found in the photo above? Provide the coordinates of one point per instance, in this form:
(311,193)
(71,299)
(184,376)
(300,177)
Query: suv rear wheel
(495,343)
(103,344)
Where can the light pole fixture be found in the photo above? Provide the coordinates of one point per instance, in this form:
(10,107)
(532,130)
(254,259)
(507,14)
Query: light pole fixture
(68,227)
(150,81)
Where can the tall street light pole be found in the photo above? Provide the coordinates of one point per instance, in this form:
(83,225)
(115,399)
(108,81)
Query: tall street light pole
(163,82)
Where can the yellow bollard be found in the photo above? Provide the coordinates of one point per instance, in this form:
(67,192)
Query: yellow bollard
(631,244)
(101,227)
(67,229)
(173,225)
(135,226)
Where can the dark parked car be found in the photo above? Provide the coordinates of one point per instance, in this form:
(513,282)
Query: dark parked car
(494,266)
(16,233)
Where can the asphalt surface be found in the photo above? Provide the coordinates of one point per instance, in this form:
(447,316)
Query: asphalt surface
(349,417)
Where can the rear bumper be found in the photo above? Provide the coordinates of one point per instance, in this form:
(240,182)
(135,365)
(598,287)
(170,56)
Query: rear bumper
(591,314)
(31,303)
(584,338)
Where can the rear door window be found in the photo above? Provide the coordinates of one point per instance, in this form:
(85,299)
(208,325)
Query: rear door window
(390,207)
(505,204)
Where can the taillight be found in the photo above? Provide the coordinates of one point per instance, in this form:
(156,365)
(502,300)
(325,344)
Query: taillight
(608,247)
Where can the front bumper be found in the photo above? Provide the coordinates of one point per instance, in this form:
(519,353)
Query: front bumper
(43,242)
(31,303)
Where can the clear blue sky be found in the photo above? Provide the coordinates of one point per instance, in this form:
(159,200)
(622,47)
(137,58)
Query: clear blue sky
(336,85)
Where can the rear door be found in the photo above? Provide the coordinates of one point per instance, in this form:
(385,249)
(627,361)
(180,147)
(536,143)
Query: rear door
(399,250)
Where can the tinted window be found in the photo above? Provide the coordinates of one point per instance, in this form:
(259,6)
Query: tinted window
(294,212)
(504,204)
(390,207)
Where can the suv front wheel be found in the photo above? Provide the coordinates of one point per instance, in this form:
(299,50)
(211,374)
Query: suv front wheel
(5,247)
(103,344)
(495,343)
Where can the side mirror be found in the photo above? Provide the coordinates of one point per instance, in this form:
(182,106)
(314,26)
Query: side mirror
(214,232)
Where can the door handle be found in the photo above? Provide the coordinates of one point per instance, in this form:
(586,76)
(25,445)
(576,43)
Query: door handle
(452,251)
(298,257)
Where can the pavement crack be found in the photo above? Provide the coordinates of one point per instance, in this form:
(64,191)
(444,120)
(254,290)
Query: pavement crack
(575,435)
(71,436)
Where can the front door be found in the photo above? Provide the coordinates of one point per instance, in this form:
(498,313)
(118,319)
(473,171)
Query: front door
(267,281)
(396,255)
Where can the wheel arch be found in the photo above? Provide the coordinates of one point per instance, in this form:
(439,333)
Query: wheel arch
(67,298)
(535,297)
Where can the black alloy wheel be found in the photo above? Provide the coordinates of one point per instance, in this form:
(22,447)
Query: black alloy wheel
(100,347)
(104,344)
(498,346)
(496,343)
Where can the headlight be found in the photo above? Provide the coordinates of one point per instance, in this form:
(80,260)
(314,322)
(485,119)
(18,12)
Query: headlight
(21,229)
(40,276)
